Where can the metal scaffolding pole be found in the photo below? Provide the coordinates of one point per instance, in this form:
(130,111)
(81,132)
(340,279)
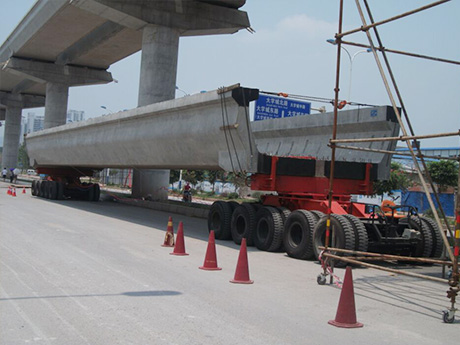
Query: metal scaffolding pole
(403,129)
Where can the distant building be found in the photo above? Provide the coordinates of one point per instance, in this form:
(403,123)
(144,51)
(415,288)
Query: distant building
(34,123)
(75,116)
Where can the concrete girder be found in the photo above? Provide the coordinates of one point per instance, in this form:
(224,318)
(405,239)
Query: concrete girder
(23,86)
(16,100)
(226,3)
(184,133)
(42,72)
(87,43)
(40,13)
(192,18)
(193,133)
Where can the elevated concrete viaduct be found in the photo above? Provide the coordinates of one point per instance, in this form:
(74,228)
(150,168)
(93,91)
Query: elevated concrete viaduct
(63,43)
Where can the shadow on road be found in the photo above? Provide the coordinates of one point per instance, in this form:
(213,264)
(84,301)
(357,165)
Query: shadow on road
(153,293)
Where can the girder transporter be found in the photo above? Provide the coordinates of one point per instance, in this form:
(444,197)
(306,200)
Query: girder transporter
(289,158)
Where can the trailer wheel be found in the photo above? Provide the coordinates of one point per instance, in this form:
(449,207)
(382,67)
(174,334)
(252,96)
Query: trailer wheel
(45,187)
(39,188)
(268,234)
(298,234)
(361,237)
(317,214)
(35,188)
(52,190)
(96,192)
(344,236)
(438,244)
(60,190)
(32,188)
(243,223)
(284,213)
(425,246)
(219,218)
(233,205)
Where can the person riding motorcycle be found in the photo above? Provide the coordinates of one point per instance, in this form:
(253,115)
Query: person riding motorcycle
(187,195)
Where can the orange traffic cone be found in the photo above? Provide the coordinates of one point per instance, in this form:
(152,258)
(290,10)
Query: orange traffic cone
(9,192)
(179,248)
(210,261)
(169,236)
(24,190)
(346,312)
(14,192)
(242,268)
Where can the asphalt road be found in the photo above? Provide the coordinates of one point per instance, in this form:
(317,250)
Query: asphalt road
(74,272)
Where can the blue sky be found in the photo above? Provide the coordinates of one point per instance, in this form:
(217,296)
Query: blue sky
(289,53)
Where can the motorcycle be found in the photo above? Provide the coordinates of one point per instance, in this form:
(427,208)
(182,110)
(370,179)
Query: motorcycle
(187,196)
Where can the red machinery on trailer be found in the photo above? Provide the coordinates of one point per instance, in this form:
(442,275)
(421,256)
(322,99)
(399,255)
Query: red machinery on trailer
(291,215)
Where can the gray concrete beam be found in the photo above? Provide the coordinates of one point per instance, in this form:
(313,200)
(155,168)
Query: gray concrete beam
(42,12)
(11,137)
(50,72)
(184,133)
(89,42)
(192,18)
(16,100)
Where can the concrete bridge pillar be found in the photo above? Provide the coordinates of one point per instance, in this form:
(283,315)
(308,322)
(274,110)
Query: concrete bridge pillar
(57,96)
(11,137)
(160,48)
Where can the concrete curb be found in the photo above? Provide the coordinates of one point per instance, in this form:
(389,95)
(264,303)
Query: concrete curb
(169,208)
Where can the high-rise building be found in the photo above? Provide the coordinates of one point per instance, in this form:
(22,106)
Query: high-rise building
(75,116)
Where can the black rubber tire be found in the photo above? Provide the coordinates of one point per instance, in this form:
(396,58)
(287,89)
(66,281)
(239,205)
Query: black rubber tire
(243,223)
(425,247)
(97,192)
(45,187)
(32,188)
(298,234)
(219,220)
(361,237)
(344,236)
(438,243)
(90,193)
(52,190)
(60,190)
(284,212)
(317,214)
(40,188)
(37,188)
(268,234)
(233,205)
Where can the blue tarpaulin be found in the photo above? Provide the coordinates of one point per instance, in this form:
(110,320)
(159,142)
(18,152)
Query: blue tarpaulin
(419,200)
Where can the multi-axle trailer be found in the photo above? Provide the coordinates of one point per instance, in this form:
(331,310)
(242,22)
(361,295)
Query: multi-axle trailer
(291,215)
(212,131)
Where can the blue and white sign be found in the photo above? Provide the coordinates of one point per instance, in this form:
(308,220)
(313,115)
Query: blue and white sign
(273,107)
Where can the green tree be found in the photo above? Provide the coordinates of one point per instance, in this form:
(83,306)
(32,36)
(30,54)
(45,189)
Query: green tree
(193,176)
(212,178)
(444,173)
(174,176)
(239,180)
(23,157)
(399,179)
